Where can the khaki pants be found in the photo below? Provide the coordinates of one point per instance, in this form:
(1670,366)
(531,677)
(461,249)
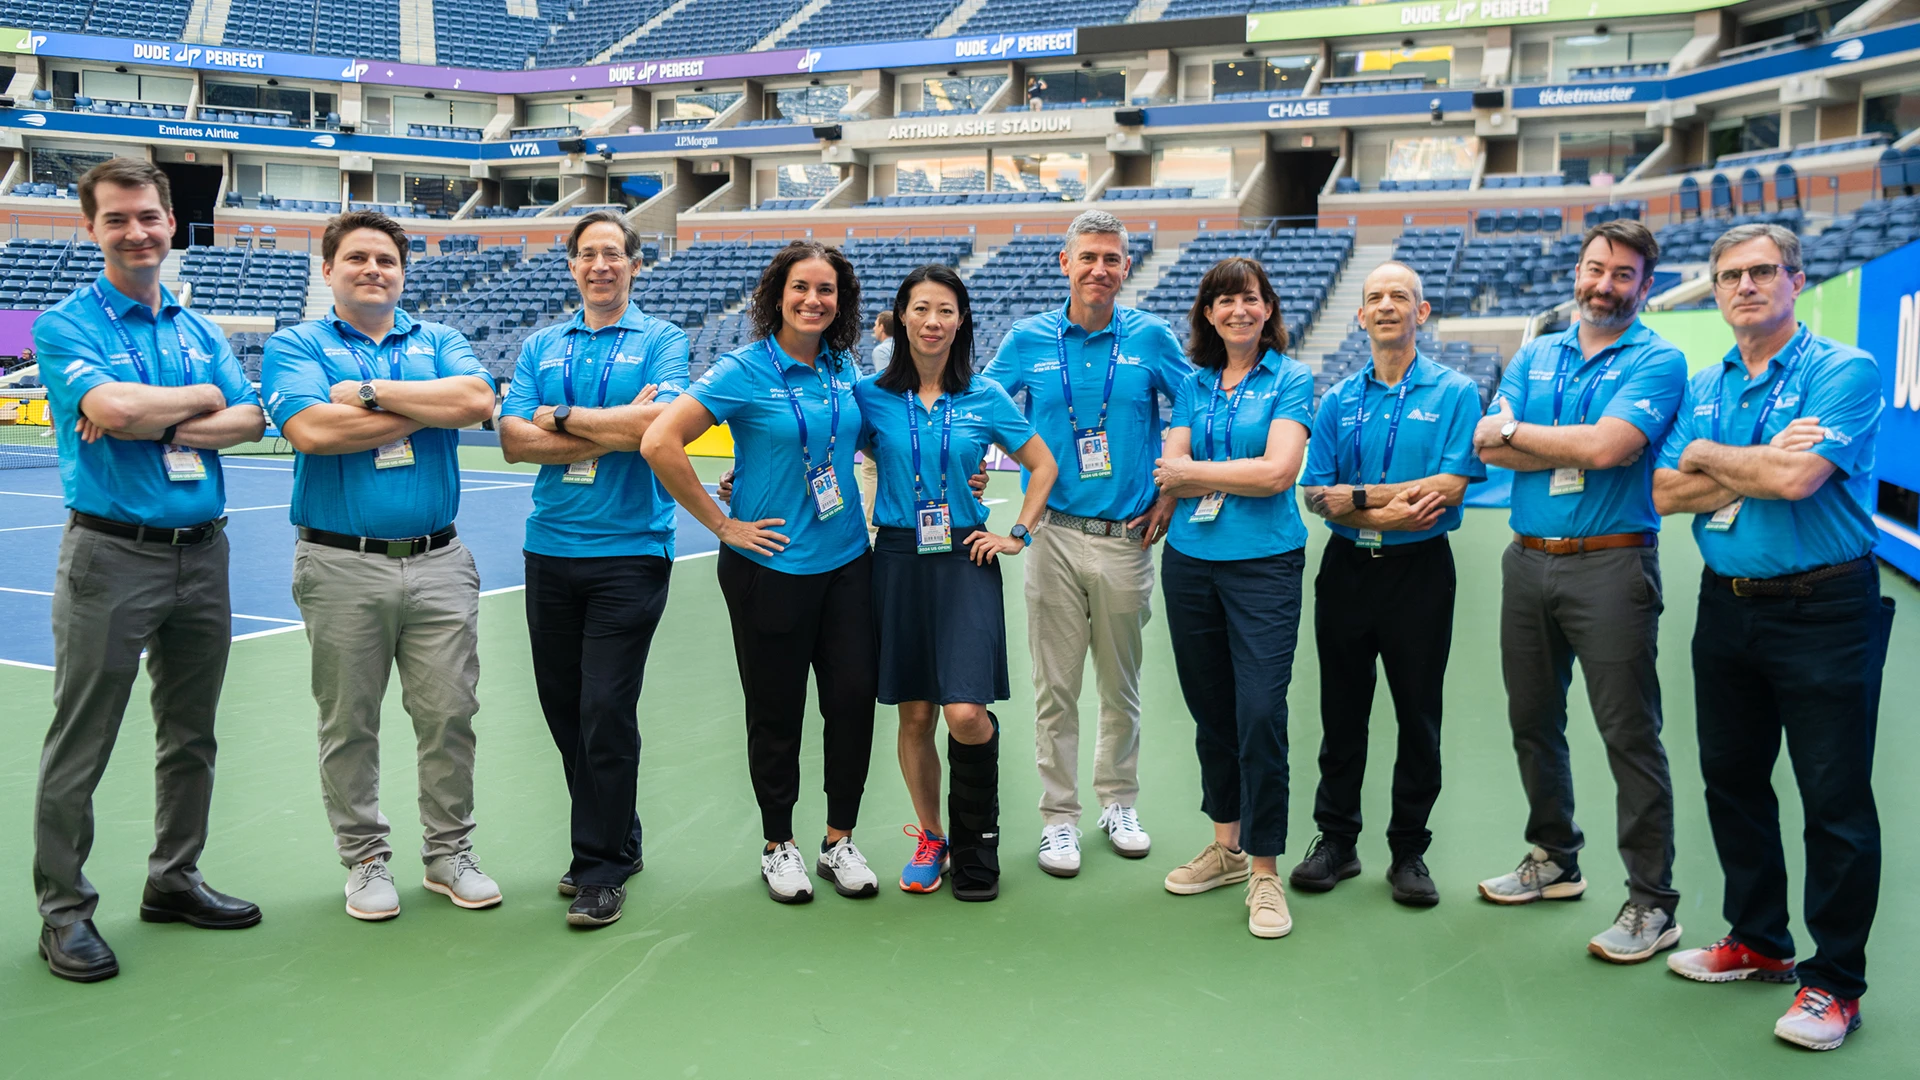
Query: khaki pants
(1086,592)
(869,488)
(367,615)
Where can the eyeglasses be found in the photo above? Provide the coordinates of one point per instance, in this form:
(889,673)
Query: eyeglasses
(610,256)
(1761,273)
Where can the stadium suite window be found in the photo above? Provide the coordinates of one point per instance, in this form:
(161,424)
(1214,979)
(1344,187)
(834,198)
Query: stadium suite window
(940,176)
(1077,85)
(964,93)
(296,102)
(113,86)
(1208,170)
(285,181)
(634,188)
(807,104)
(61,167)
(440,196)
(1738,134)
(1269,73)
(519,191)
(1061,173)
(408,110)
(1613,50)
(697,106)
(1433,64)
(1820,18)
(1892,115)
(580,114)
(1432,157)
(1586,156)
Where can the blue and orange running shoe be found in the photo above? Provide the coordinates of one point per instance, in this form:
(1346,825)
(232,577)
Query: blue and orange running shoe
(929,861)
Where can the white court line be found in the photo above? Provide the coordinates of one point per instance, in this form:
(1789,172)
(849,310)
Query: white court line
(30,528)
(264,633)
(24,664)
(32,494)
(29,592)
(259,618)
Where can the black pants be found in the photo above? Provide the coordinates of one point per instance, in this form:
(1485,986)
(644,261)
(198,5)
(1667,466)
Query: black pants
(1234,625)
(784,625)
(590,622)
(1809,667)
(1396,608)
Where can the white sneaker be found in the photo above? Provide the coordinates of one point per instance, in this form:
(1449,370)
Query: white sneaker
(1060,850)
(843,865)
(786,874)
(1124,831)
(458,878)
(371,896)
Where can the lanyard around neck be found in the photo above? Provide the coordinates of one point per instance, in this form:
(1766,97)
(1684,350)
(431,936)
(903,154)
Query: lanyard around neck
(1066,379)
(133,351)
(799,417)
(606,369)
(945,405)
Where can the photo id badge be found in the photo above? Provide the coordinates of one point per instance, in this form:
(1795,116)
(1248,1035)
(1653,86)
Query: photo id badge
(183,463)
(1090,445)
(581,472)
(394,455)
(933,527)
(1209,507)
(1567,482)
(1369,539)
(826,492)
(1723,518)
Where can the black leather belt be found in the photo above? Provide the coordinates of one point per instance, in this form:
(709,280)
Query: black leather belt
(186,536)
(371,545)
(1792,584)
(1392,551)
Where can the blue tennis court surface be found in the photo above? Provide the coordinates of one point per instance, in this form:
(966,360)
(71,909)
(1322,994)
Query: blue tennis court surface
(494,506)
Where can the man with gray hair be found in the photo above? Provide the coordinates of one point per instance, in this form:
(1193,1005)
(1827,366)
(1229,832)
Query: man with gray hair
(1773,455)
(1091,370)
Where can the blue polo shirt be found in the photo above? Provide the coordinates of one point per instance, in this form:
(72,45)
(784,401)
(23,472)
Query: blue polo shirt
(1772,537)
(1435,436)
(79,350)
(1641,378)
(344,493)
(983,414)
(744,391)
(1151,363)
(626,510)
(1278,388)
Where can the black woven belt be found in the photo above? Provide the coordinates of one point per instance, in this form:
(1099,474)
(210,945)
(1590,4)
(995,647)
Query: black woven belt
(1392,551)
(186,536)
(370,545)
(1793,584)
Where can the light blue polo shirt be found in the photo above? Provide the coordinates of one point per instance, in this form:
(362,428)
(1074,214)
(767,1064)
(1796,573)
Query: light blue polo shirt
(1773,537)
(1151,363)
(744,391)
(1641,379)
(344,493)
(1435,436)
(79,350)
(1278,388)
(983,414)
(626,510)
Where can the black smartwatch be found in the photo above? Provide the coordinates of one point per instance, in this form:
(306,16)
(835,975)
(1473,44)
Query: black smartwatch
(1359,496)
(560,414)
(1020,533)
(166,437)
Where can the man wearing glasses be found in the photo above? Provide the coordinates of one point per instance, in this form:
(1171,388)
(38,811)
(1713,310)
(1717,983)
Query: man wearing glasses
(1773,454)
(599,545)
(1574,417)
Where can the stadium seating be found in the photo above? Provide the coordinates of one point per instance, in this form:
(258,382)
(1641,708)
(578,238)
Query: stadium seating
(1136,194)
(443,131)
(1350,87)
(1459,183)
(1533,180)
(247,281)
(162,19)
(273,24)
(46,191)
(711,26)
(849,22)
(1020,278)
(1005,15)
(39,273)
(1302,264)
(1617,71)
(1805,150)
(480,33)
(1868,233)
(368,29)
(1481,363)
(586,27)
(1688,241)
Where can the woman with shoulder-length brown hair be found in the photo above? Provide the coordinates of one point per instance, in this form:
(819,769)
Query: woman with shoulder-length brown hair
(1231,576)
(794,564)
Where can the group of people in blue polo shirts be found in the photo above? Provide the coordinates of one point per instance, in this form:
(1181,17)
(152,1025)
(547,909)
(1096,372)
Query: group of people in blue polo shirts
(1770,450)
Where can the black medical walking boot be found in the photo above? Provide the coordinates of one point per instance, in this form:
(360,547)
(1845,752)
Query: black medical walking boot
(973,816)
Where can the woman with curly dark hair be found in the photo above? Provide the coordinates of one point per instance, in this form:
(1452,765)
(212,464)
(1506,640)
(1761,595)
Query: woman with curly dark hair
(794,564)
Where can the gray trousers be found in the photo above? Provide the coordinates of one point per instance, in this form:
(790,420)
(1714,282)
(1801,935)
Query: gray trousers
(1604,608)
(366,615)
(111,599)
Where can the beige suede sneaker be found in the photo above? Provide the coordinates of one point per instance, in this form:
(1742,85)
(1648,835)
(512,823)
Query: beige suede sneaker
(1267,915)
(1215,866)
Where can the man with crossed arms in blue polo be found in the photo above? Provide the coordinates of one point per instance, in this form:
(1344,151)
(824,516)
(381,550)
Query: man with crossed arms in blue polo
(143,393)
(1574,418)
(370,400)
(1773,454)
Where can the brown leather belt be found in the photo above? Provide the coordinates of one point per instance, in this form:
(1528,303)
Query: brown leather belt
(1796,585)
(1575,545)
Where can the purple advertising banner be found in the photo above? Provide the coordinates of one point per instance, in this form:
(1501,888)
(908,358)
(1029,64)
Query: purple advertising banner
(16,331)
(629,73)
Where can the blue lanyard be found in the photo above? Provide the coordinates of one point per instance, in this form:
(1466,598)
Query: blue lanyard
(799,418)
(1233,410)
(394,368)
(606,371)
(1586,396)
(1393,426)
(946,441)
(1066,380)
(133,352)
(1773,396)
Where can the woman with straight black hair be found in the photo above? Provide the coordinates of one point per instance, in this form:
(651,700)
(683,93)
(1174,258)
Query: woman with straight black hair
(936,585)
(794,565)
(1231,575)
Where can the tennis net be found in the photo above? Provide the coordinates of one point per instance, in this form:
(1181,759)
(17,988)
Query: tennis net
(26,430)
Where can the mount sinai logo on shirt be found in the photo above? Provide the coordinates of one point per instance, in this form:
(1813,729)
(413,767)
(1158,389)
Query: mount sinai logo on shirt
(1424,417)
(1647,406)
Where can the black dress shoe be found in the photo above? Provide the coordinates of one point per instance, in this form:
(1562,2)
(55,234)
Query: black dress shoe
(596,905)
(77,953)
(568,888)
(199,906)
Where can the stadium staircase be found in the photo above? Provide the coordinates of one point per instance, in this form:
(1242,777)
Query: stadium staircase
(951,25)
(207,22)
(1336,316)
(416,32)
(640,31)
(793,23)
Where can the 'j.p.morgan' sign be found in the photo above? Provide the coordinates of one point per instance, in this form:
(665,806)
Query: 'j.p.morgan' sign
(977,126)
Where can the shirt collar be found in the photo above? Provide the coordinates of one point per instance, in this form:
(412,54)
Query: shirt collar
(1786,352)
(822,365)
(122,305)
(1419,373)
(1636,333)
(1113,324)
(1269,362)
(403,324)
(630,319)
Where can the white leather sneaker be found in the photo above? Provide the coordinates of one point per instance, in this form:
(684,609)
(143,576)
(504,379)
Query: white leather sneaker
(1124,832)
(1060,850)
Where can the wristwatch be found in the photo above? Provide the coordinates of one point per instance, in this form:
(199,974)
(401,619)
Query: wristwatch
(1359,496)
(560,414)
(366,394)
(1020,533)
(1506,431)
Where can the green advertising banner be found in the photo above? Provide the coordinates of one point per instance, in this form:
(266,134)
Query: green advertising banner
(15,40)
(1363,18)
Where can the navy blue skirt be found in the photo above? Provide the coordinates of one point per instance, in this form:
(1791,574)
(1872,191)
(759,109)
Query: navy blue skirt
(942,624)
